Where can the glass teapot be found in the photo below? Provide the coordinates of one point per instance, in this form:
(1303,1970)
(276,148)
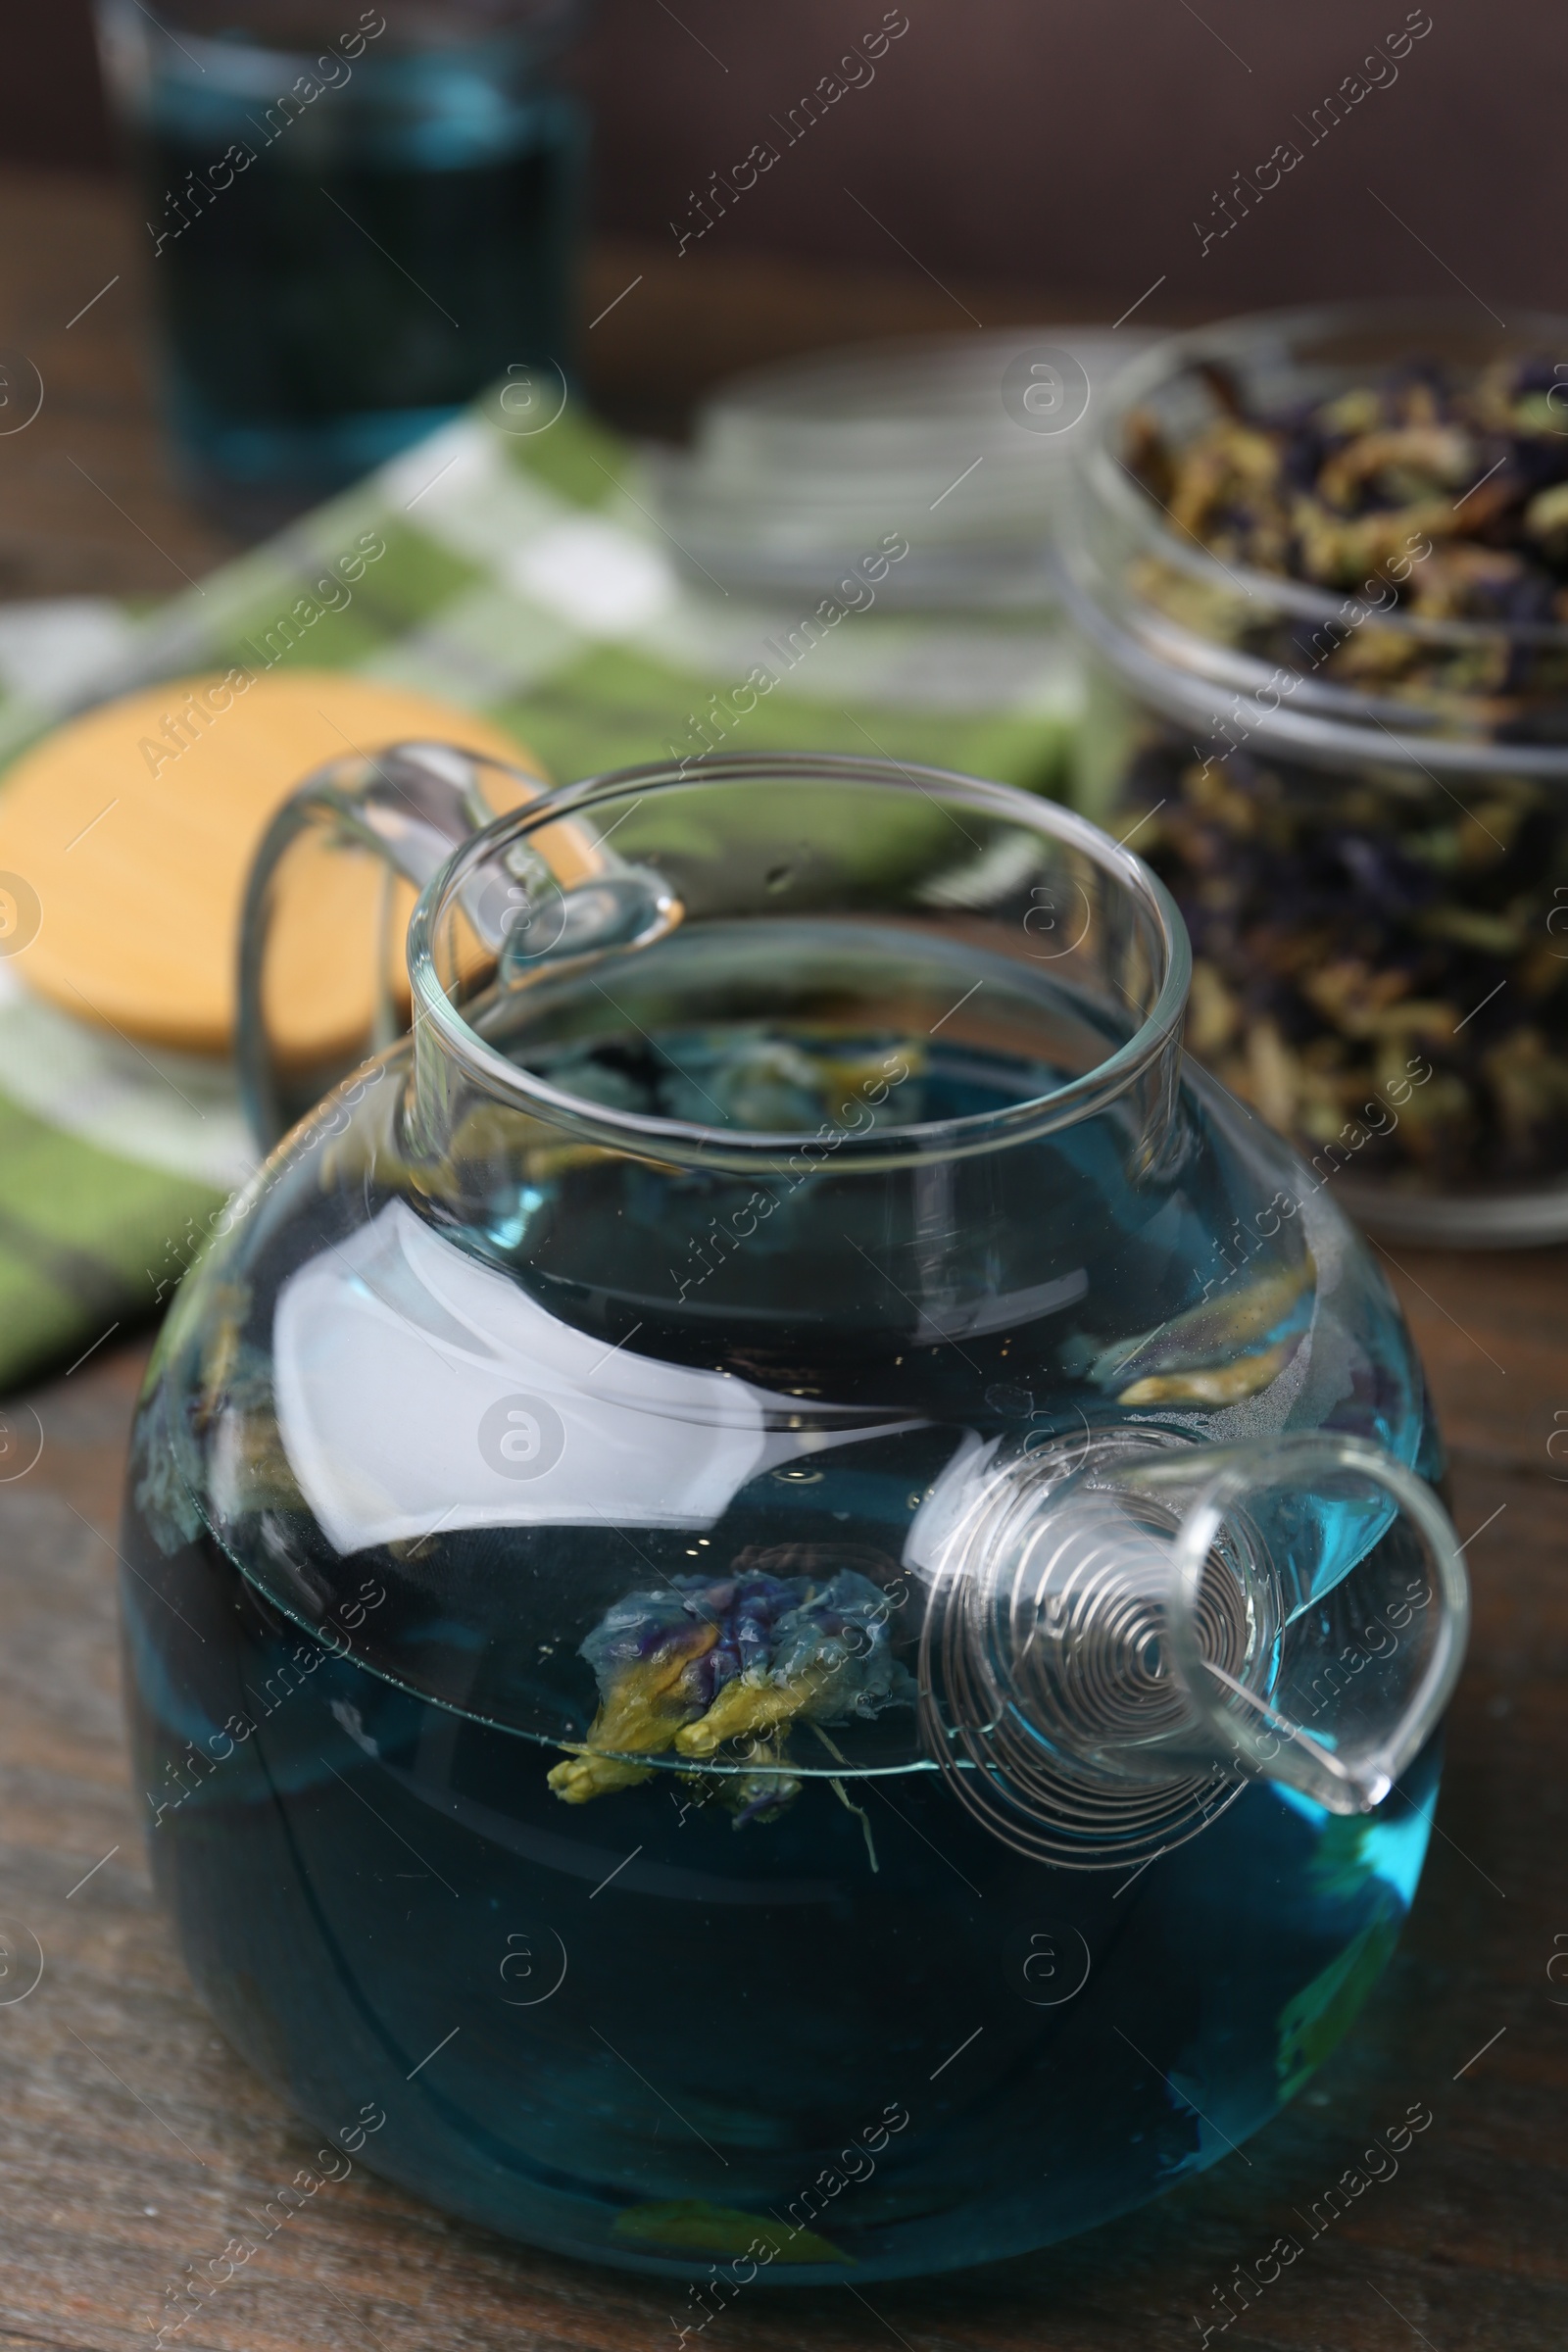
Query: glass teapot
(784,1609)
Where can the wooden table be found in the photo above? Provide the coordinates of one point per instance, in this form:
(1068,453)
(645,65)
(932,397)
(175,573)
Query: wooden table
(131,2139)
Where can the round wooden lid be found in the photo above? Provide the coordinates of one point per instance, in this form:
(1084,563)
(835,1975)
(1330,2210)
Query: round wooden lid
(135,827)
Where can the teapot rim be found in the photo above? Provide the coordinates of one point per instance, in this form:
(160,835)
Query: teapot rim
(747,1150)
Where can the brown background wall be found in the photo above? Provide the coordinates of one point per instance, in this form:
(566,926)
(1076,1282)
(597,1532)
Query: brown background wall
(1063,143)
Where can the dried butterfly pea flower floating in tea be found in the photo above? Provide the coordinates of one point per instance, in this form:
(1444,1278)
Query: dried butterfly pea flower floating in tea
(703,1662)
(1325,561)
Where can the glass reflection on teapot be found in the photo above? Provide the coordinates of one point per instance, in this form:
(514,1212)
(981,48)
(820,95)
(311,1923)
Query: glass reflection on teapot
(785,1591)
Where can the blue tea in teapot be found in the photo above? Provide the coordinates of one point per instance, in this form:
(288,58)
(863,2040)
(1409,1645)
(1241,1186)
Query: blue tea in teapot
(783,1595)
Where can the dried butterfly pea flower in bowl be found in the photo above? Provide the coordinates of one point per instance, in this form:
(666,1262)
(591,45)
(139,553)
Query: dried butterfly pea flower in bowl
(1320,563)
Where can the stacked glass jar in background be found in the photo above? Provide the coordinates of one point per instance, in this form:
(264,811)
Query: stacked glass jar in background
(1321,560)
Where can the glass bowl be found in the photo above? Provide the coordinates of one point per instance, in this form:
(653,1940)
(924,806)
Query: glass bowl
(1353,785)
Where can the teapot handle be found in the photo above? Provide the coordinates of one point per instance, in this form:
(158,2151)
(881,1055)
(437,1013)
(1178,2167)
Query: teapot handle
(303,1021)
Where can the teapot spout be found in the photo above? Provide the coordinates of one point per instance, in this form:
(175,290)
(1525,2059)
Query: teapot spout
(1349,1783)
(1122,1635)
(1374,1604)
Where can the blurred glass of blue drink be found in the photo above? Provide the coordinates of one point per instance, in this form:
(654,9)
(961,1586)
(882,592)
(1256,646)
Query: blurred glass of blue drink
(356,216)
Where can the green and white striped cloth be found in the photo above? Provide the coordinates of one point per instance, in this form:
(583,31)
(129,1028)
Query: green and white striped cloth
(524,574)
